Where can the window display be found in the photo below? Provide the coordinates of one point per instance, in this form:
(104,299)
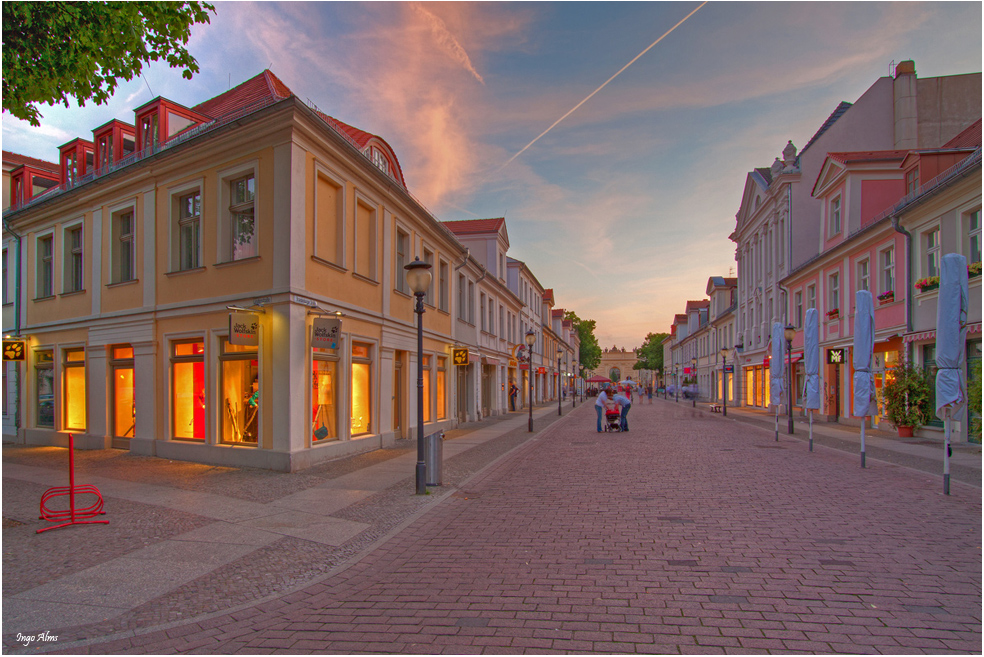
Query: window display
(188,390)
(240,393)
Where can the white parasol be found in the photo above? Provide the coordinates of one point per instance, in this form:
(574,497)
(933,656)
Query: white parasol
(776,386)
(811,358)
(951,345)
(864,343)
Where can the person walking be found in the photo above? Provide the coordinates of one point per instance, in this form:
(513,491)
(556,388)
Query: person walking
(649,393)
(625,404)
(513,391)
(601,404)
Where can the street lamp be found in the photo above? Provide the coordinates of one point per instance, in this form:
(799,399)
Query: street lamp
(724,381)
(419,280)
(789,333)
(530,339)
(693,372)
(676,382)
(560,352)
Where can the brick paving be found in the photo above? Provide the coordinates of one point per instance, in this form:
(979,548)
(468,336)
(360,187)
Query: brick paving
(688,534)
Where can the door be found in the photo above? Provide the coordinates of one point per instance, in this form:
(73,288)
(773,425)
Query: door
(398,394)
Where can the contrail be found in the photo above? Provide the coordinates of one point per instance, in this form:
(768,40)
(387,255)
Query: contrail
(682,20)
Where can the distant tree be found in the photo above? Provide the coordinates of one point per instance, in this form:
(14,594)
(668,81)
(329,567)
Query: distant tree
(590,353)
(650,354)
(53,50)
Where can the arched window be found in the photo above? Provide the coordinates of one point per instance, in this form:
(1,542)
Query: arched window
(615,374)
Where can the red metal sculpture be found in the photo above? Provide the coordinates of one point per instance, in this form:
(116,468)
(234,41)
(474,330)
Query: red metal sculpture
(73,515)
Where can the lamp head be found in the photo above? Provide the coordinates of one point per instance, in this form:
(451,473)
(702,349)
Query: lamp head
(530,338)
(789,333)
(693,362)
(418,276)
(724,352)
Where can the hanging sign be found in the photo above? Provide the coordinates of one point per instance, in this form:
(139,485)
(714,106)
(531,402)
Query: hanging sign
(729,369)
(541,370)
(836,356)
(326,332)
(244,329)
(14,349)
(459,356)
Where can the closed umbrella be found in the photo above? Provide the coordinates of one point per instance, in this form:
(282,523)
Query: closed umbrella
(811,357)
(951,345)
(776,370)
(864,343)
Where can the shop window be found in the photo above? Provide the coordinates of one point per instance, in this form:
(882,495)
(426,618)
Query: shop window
(124,403)
(74,273)
(74,366)
(188,390)
(45,266)
(442,383)
(123,251)
(240,393)
(427,388)
(361,388)
(44,378)
(324,395)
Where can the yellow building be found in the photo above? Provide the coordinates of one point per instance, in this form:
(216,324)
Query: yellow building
(224,284)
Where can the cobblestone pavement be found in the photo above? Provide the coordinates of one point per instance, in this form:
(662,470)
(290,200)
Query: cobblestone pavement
(688,534)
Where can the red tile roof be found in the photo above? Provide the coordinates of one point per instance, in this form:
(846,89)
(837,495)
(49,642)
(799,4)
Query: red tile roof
(696,305)
(970,137)
(265,86)
(868,156)
(557,313)
(548,294)
(475,226)
(16,159)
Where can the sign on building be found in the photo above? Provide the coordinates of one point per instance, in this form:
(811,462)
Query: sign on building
(244,329)
(14,349)
(459,356)
(836,356)
(326,332)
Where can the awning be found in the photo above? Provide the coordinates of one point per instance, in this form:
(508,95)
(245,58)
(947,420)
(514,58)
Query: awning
(490,360)
(931,335)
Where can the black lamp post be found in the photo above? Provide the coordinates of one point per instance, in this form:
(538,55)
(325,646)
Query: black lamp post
(693,372)
(789,333)
(560,352)
(676,381)
(530,339)
(724,381)
(419,279)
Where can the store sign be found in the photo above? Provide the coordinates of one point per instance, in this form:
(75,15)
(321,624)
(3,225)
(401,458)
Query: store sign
(836,356)
(244,329)
(14,349)
(541,370)
(326,332)
(729,369)
(459,356)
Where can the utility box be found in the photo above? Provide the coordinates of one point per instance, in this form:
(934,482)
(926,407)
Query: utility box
(434,459)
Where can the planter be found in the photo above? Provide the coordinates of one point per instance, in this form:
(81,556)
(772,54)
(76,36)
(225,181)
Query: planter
(928,288)
(882,302)
(905,432)
(835,315)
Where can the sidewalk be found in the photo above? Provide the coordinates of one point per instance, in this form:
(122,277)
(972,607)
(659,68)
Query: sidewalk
(920,453)
(186,539)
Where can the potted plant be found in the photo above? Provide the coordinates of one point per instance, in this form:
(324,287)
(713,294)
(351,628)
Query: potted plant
(928,283)
(833,314)
(974,400)
(887,296)
(974,269)
(908,396)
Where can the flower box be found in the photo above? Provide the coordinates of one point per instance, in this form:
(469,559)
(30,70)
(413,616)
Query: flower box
(833,314)
(974,269)
(886,297)
(928,283)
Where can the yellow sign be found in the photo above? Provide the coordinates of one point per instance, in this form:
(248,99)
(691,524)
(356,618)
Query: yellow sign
(14,349)
(459,356)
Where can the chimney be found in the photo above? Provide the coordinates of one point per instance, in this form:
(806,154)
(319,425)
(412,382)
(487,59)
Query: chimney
(905,106)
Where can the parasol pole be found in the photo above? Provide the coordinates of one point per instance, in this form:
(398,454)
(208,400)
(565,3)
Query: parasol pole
(946,450)
(777,422)
(811,429)
(864,421)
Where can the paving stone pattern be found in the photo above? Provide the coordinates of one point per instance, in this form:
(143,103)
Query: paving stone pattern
(685,535)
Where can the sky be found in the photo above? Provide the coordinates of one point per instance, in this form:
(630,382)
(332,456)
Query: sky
(624,207)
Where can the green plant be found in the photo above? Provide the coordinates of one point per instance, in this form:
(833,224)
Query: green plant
(908,395)
(974,399)
(929,281)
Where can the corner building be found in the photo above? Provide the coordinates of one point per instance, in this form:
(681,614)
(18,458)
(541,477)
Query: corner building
(250,212)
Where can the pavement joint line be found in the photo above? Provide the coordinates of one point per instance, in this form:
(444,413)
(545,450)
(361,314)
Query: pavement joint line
(337,570)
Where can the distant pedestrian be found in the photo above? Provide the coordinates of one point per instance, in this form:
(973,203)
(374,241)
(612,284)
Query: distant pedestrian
(601,405)
(513,391)
(649,393)
(625,404)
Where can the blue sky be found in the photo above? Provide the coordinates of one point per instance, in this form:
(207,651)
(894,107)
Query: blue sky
(625,207)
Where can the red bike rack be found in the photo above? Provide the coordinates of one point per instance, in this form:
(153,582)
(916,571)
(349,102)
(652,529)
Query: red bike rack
(73,515)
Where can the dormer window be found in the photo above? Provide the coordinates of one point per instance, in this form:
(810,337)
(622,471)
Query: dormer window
(912,180)
(149,130)
(104,150)
(379,159)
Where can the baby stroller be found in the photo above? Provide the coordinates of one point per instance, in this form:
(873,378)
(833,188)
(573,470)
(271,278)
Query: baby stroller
(613,420)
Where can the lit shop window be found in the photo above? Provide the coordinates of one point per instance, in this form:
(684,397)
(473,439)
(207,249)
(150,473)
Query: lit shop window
(442,373)
(427,388)
(124,406)
(74,365)
(188,390)
(240,393)
(44,377)
(324,395)
(361,388)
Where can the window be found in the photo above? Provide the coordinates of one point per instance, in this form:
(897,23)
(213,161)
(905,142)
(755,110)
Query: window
(124,407)
(324,395)
(932,241)
(973,237)
(429,259)
(863,275)
(379,159)
(912,180)
(148,130)
(798,303)
(442,300)
(44,381)
(834,223)
(462,302)
(74,373)
(888,270)
(811,296)
(188,390)
(104,147)
(471,302)
(426,363)
(481,312)
(239,394)
(365,239)
(189,231)
(491,316)
(45,266)
(123,247)
(242,217)
(442,383)
(6,296)
(329,214)
(402,248)
(71,168)
(361,388)
(833,299)
(74,275)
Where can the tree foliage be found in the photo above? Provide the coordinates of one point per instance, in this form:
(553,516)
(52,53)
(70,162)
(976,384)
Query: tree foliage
(54,50)
(590,352)
(650,354)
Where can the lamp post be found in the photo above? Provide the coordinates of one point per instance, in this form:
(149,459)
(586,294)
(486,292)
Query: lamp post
(789,333)
(560,352)
(724,381)
(530,339)
(693,372)
(419,279)
(676,382)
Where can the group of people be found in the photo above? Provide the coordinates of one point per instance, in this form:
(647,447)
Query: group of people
(620,398)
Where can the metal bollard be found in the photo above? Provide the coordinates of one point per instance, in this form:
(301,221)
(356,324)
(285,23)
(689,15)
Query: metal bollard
(434,458)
